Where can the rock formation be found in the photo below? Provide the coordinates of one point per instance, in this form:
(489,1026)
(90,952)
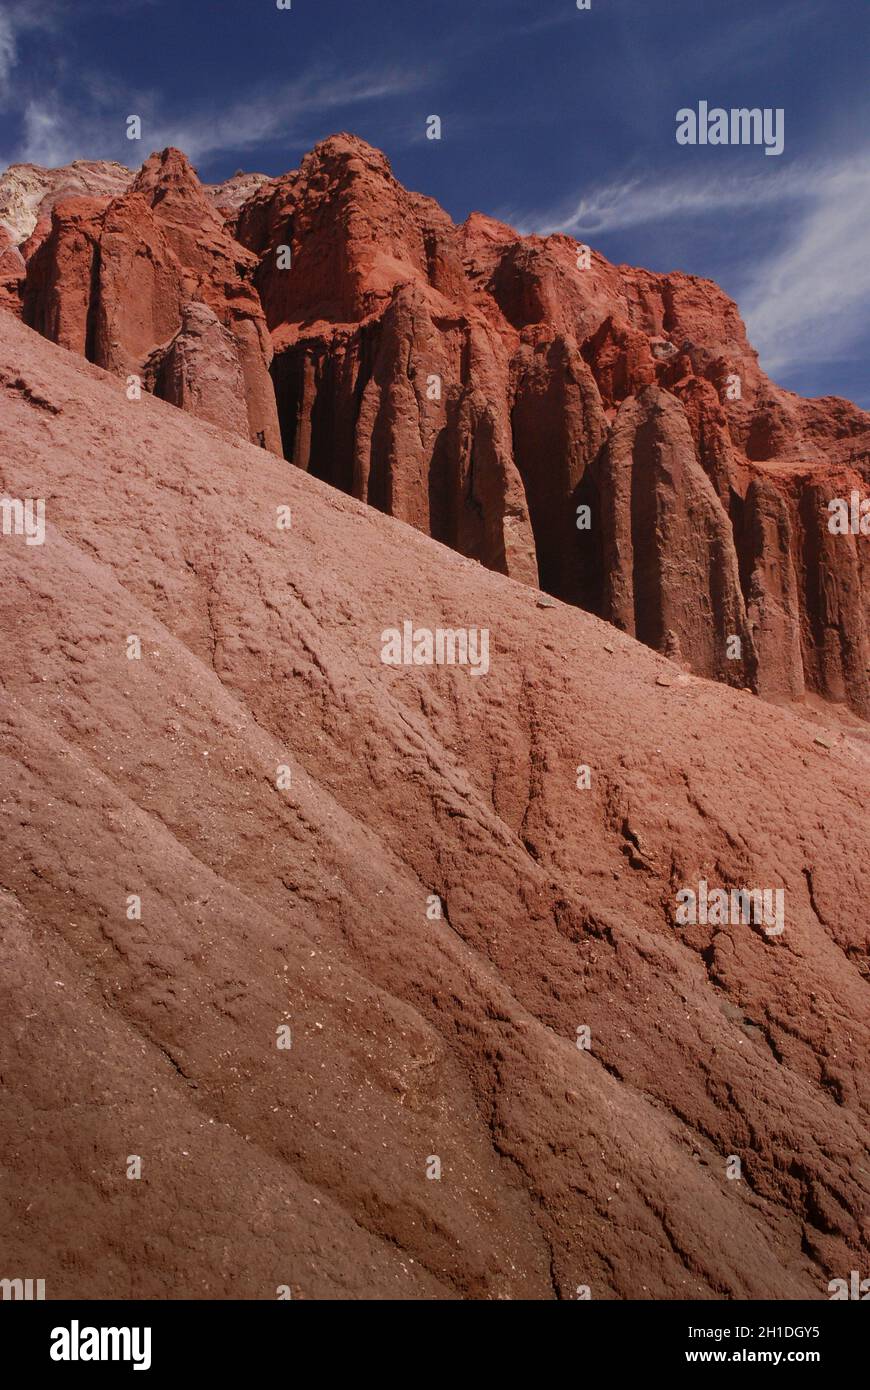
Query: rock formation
(602,431)
(28,192)
(199,371)
(12,273)
(469,957)
(114,277)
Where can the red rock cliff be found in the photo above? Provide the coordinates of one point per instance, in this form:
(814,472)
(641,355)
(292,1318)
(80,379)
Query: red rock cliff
(487,388)
(113,279)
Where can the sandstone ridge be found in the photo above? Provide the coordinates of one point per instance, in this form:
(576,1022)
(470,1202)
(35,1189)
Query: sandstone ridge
(486,388)
(307,906)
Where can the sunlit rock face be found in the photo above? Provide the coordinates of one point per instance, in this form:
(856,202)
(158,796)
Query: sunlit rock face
(601,431)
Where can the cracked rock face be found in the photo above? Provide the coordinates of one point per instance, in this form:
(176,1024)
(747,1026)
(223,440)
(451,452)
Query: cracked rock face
(112,276)
(671,573)
(12,273)
(415,1033)
(28,192)
(483,387)
(199,371)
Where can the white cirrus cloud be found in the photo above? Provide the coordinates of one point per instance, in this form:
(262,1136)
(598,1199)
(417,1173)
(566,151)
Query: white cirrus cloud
(640,200)
(809,296)
(8,55)
(54,134)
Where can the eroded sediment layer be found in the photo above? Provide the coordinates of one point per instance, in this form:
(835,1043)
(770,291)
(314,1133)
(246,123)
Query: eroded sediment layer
(484,387)
(309,903)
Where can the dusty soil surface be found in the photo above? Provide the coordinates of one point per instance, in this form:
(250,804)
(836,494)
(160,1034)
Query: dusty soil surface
(264,905)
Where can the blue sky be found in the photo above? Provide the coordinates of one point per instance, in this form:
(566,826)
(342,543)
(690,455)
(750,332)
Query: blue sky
(553,118)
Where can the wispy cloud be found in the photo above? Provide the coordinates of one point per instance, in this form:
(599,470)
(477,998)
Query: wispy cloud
(53,134)
(24,19)
(809,296)
(7,54)
(542,24)
(16,20)
(744,44)
(288,112)
(639,201)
